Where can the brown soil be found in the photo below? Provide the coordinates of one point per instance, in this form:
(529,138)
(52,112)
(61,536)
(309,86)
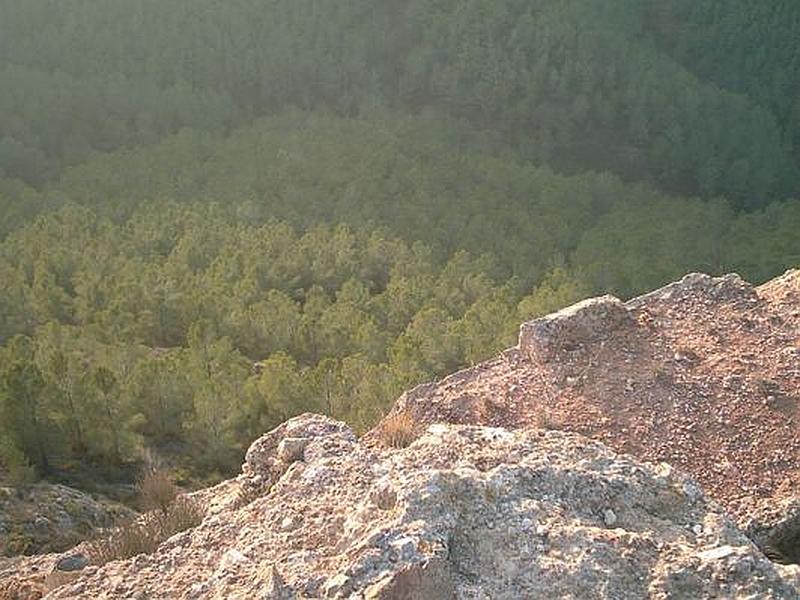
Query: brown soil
(704,375)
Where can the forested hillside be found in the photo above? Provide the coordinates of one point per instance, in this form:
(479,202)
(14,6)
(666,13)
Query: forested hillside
(701,97)
(217,215)
(183,327)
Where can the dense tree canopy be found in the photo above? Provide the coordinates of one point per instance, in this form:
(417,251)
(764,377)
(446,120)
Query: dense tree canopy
(182,326)
(691,95)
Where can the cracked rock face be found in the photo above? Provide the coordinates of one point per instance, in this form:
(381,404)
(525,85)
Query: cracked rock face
(463,512)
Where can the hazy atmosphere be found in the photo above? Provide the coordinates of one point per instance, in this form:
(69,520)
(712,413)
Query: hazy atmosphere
(215,216)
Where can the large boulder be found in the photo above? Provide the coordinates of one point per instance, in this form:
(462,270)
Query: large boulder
(703,373)
(463,512)
(587,321)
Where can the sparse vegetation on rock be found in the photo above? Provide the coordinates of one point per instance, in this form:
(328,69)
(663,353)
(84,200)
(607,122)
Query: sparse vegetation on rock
(145,533)
(167,512)
(397,430)
(156,490)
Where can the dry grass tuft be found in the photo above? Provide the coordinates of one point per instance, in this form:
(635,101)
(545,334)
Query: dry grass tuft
(126,540)
(156,491)
(185,513)
(169,513)
(398,430)
(145,534)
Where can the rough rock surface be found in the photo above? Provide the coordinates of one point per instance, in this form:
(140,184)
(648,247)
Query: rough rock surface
(592,320)
(703,374)
(50,518)
(464,512)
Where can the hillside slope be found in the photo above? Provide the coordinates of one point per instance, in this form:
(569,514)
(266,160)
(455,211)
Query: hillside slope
(703,374)
(487,502)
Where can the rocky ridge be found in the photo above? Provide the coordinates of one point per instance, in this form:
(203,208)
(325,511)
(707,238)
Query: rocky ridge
(703,374)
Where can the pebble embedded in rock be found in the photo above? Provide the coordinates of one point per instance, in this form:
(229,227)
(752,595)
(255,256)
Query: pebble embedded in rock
(291,449)
(609,518)
(75,562)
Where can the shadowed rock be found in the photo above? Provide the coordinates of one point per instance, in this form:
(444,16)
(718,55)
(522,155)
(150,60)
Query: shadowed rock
(75,562)
(568,329)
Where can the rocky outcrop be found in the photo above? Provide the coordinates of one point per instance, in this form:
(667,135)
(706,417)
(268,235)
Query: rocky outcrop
(586,322)
(50,518)
(463,512)
(703,373)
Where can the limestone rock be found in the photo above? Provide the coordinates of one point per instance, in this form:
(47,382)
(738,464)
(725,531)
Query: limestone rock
(291,449)
(584,322)
(463,512)
(274,453)
(51,517)
(276,588)
(703,374)
(21,588)
(716,289)
(775,528)
(419,582)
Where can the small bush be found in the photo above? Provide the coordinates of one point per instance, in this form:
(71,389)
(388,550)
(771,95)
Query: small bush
(129,539)
(156,491)
(168,514)
(184,513)
(397,430)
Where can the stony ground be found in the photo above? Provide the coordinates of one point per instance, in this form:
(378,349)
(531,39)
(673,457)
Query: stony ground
(703,374)
(49,518)
(464,512)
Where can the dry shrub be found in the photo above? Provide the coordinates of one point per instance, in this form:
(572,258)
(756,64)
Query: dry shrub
(397,430)
(156,490)
(140,536)
(168,514)
(184,513)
